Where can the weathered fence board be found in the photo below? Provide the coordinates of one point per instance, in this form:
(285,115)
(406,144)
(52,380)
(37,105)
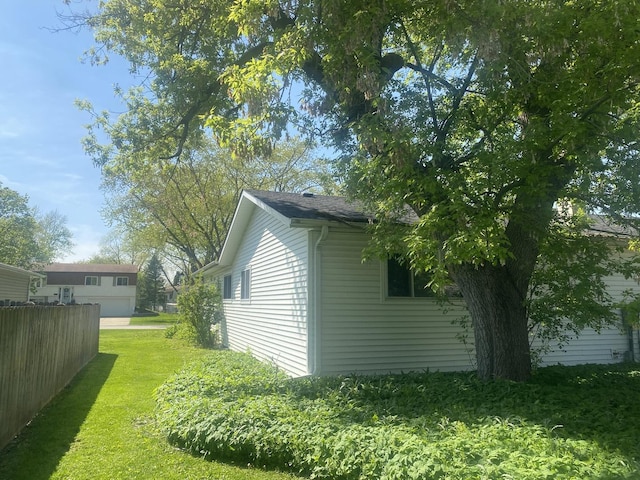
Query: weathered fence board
(41,350)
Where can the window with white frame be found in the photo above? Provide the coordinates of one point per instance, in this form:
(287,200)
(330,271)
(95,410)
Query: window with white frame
(403,282)
(91,280)
(227,293)
(245,284)
(122,281)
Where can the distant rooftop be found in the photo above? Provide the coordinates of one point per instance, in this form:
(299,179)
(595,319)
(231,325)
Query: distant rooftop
(90,268)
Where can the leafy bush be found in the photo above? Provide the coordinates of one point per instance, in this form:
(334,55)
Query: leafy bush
(200,308)
(581,422)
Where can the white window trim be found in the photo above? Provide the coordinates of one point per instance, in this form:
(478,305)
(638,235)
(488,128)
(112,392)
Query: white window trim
(97,284)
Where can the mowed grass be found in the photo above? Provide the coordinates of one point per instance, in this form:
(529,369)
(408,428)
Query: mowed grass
(162,318)
(101,426)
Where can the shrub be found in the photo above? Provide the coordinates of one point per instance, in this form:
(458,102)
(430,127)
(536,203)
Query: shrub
(200,307)
(568,423)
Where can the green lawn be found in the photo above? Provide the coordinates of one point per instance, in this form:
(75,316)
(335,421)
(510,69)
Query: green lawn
(159,319)
(100,427)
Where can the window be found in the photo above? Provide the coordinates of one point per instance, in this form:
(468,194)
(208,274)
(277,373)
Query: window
(91,281)
(226,287)
(245,284)
(122,281)
(402,282)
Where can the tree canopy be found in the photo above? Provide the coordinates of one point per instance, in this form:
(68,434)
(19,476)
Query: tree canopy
(27,238)
(185,206)
(480,116)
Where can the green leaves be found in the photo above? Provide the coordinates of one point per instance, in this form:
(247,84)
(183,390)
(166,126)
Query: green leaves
(27,239)
(200,307)
(479,116)
(567,423)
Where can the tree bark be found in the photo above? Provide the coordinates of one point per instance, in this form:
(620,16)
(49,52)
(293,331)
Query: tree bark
(496,295)
(499,320)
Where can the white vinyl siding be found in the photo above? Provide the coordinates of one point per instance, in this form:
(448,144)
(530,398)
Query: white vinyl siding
(610,345)
(272,325)
(14,286)
(362,331)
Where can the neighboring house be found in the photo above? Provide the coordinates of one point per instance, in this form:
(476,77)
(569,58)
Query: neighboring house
(112,286)
(297,293)
(15,284)
(171,302)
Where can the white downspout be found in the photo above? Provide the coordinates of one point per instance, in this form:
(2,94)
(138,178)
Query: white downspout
(314,324)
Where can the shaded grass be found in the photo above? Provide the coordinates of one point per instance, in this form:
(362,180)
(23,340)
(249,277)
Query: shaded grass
(568,423)
(158,319)
(101,426)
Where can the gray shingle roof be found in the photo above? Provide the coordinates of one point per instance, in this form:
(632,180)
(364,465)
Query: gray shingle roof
(601,225)
(313,207)
(90,268)
(320,207)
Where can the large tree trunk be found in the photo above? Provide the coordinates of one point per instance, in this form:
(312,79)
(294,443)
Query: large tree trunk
(499,322)
(496,298)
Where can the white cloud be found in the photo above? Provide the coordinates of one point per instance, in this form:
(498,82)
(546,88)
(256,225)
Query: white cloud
(11,128)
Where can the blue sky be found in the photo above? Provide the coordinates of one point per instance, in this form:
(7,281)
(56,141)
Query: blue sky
(40,128)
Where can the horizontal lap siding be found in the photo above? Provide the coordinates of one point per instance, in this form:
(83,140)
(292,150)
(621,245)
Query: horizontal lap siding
(361,332)
(272,324)
(14,286)
(610,345)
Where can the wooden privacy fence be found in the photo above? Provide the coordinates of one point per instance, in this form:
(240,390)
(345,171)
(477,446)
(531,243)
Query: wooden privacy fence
(41,350)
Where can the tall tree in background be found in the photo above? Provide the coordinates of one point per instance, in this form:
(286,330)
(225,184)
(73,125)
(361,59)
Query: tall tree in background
(151,287)
(479,116)
(52,236)
(187,204)
(29,240)
(120,247)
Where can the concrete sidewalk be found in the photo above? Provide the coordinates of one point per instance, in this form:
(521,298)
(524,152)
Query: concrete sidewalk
(123,323)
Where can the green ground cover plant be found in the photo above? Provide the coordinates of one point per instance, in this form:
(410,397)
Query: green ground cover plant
(567,423)
(101,426)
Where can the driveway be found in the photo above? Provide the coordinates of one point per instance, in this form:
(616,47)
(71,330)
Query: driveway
(123,323)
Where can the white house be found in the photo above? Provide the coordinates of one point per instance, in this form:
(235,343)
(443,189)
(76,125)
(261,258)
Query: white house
(297,293)
(15,284)
(112,286)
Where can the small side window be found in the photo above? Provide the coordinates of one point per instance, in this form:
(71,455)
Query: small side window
(245,284)
(91,281)
(227,293)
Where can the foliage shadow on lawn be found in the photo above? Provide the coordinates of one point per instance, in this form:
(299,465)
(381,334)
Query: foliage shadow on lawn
(37,450)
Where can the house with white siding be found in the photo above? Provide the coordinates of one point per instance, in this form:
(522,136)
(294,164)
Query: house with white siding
(297,293)
(113,286)
(15,284)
